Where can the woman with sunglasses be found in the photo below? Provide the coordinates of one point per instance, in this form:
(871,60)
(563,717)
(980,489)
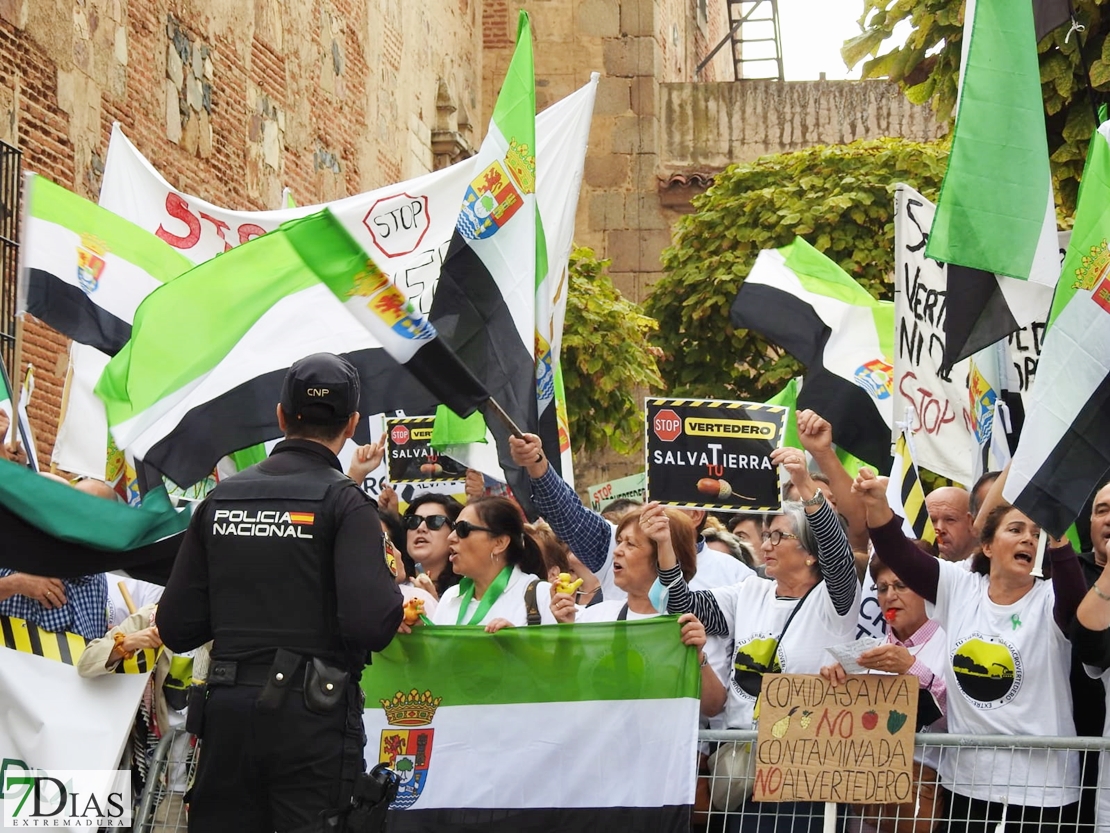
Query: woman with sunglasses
(782,625)
(428,521)
(497,561)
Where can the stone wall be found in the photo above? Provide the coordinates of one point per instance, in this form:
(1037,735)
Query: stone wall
(232,100)
(710,126)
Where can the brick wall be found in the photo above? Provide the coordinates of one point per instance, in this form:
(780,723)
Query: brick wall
(231,100)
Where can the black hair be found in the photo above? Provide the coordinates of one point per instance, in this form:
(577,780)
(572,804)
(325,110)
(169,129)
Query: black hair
(973,501)
(321,432)
(392,522)
(504,517)
(451,508)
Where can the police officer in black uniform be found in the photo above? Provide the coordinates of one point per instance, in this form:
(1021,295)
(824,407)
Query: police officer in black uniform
(283,568)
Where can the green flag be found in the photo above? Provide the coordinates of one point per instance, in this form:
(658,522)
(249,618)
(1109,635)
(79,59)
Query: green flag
(996,211)
(1064,452)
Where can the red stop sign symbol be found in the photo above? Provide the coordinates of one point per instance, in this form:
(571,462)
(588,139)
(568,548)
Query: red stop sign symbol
(667,425)
(399,434)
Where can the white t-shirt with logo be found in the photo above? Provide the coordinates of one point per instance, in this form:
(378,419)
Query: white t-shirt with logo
(509,605)
(756,619)
(1007,674)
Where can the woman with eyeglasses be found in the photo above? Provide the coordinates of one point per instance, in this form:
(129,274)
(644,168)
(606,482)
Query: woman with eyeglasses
(781,625)
(497,561)
(428,521)
(915,644)
(1006,635)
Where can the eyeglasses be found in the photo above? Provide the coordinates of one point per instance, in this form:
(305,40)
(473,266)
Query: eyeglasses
(775,536)
(579,595)
(433,521)
(897,586)
(464,528)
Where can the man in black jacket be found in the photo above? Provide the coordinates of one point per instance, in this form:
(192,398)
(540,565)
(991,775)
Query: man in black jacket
(283,568)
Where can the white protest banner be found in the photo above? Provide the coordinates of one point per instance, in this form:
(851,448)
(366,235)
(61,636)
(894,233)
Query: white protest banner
(938,400)
(406,226)
(943,428)
(55,719)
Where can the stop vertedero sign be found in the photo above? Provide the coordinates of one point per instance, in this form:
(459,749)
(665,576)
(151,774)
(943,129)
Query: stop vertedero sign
(667,425)
(399,434)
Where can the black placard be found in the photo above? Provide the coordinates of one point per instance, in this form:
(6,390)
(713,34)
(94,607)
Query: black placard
(709,454)
(411,458)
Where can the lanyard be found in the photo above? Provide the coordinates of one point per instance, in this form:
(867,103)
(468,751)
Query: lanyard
(493,593)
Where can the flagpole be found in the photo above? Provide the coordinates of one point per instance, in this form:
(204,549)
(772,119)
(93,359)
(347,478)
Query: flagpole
(64,410)
(16,389)
(507,420)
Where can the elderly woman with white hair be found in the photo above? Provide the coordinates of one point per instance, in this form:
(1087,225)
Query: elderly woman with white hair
(782,625)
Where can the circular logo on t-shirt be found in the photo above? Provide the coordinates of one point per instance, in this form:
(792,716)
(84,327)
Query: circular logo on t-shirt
(988,670)
(752,660)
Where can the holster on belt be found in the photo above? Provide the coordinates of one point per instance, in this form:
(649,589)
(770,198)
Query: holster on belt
(279,679)
(325,686)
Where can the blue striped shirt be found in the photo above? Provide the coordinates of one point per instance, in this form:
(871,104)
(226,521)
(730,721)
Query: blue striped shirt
(85,611)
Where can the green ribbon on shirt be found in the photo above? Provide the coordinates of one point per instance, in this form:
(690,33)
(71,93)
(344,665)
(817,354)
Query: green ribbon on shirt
(493,593)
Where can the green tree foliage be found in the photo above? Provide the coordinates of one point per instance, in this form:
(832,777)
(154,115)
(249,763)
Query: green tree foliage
(839,198)
(927,65)
(607,359)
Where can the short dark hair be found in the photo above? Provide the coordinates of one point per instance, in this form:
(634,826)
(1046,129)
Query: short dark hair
(451,506)
(447,577)
(321,432)
(973,500)
(739,518)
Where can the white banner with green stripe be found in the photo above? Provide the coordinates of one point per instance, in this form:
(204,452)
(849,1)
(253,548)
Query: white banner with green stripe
(566,727)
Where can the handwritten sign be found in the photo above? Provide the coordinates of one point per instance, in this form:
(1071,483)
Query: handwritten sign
(850,744)
(938,400)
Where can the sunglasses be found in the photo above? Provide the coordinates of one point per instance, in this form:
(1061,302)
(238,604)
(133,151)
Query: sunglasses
(464,528)
(433,521)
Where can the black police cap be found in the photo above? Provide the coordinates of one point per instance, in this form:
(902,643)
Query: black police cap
(320,389)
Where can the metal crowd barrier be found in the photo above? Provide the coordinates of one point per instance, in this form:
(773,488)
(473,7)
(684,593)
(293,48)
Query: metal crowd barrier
(162,803)
(932,809)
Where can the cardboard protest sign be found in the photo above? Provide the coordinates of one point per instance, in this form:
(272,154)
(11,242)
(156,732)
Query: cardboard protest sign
(709,454)
(603,494)
(852,744)
(411,458)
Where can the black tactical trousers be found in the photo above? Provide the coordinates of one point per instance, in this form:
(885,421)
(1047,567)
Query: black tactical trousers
(286,770)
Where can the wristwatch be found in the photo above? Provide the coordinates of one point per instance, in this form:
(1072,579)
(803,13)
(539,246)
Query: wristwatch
(816,500)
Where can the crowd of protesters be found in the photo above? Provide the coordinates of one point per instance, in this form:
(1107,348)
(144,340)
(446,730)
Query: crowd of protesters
(996,649)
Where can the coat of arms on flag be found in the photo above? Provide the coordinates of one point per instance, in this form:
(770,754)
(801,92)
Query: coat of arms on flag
(90,262)
(877,378)
(1095,270)
(491,200)
(982,397)
(408,750)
